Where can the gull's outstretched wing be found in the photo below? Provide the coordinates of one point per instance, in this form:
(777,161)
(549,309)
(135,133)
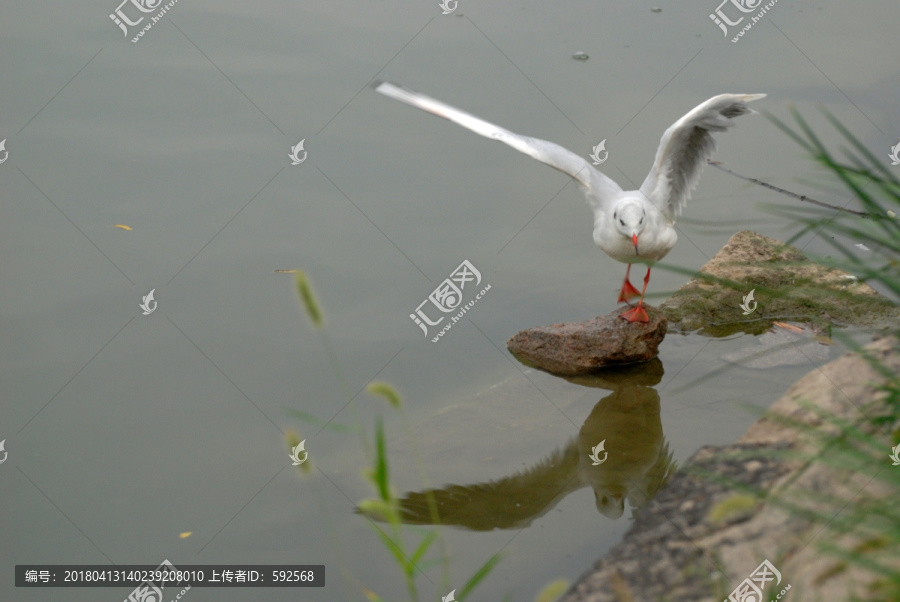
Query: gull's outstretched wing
(684,148)
(598,187)
(512,502)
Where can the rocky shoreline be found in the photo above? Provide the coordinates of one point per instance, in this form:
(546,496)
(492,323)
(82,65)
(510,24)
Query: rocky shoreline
(701,535)
(764,506)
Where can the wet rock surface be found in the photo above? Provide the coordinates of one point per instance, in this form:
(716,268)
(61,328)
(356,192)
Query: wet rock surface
(781,347)
(577,348)
(787,285)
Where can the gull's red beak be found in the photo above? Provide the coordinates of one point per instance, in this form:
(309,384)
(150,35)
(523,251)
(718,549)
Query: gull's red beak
(634,240)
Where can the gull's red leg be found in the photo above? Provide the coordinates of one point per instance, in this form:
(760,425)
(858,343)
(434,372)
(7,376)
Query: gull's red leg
(637,313)
(628,291)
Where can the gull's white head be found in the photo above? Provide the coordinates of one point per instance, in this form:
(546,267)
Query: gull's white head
(611,504)
(629,218)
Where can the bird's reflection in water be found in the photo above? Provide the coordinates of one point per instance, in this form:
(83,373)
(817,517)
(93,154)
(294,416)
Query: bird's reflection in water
(638,459)
(634,464)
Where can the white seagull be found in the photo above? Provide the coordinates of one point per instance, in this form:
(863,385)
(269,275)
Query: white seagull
(631,226)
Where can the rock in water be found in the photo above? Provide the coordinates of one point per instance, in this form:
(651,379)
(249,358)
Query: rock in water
(786,285)
(576,348)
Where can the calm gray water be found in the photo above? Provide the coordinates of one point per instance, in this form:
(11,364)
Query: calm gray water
(125,430)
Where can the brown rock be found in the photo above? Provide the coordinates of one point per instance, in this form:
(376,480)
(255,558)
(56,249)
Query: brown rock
(787,285)
(576,348)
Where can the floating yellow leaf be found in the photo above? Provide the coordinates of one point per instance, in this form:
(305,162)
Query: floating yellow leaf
(185,535)
(370,595)
(123,226)
(787,326)
(553,591)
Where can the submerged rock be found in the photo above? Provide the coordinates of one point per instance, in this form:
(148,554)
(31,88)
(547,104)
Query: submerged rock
(575,348)
(781,347)
(786,286)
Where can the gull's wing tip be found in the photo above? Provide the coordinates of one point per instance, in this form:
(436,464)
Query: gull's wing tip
(386,87)
(743,97)
(397,92)
(734,96)
(750,97)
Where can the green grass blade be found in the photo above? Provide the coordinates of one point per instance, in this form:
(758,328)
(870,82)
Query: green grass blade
(479,575)
(392,546)
(380,474)
(423,547)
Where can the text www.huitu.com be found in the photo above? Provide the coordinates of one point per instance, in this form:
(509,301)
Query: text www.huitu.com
(457,317)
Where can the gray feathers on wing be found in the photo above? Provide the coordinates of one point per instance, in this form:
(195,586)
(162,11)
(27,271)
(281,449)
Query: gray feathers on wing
(684,148)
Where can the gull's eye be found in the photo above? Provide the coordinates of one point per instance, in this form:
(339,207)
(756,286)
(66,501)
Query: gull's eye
(642,221)
(621,222)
